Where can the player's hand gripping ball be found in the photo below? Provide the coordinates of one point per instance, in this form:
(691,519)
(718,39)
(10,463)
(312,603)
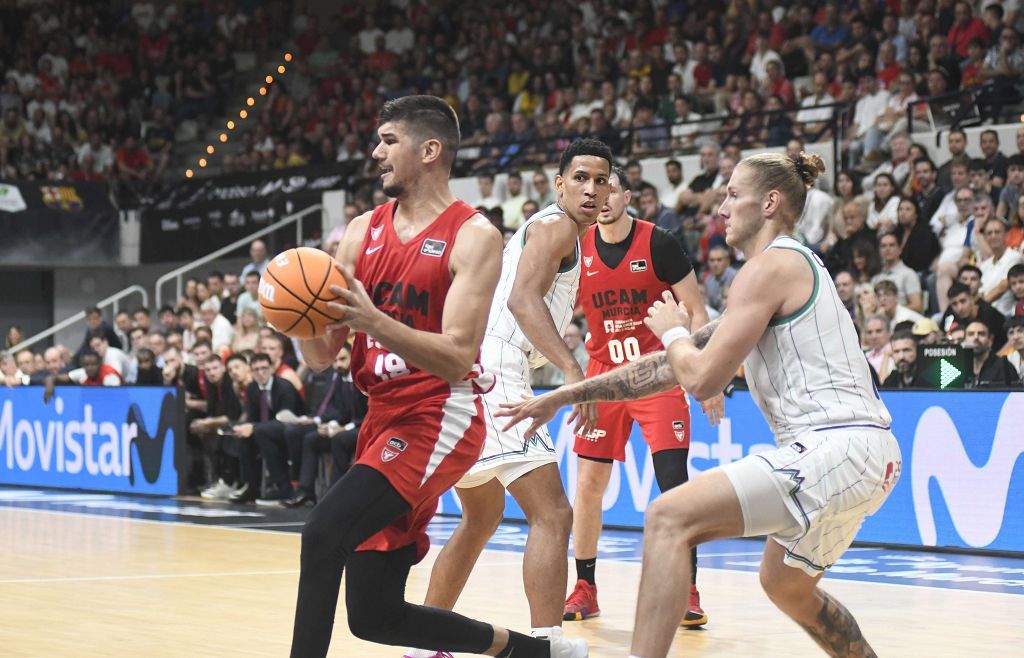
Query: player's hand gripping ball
(295,289)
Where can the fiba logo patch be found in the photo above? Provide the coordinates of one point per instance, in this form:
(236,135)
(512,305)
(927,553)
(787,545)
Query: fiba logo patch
(679,429)
(392,449)
(638,265)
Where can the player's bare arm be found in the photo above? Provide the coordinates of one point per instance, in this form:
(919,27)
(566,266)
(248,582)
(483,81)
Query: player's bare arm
(646,376)
(550,242)
(319,353)
(475,266)
(686,292)
(755,298)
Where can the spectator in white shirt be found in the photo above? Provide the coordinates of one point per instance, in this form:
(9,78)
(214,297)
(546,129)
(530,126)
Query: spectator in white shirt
(400,38)
(368,35)
(220,327)
(512,209)
(485,183)
(258,259)
(248,299)
(112,356)
(882,209)
(889,305)
(669,195)
(869,109)
(814,123)
(994,286)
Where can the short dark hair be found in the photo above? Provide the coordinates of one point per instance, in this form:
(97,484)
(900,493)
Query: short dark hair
(991,132)
(903,334)
(515,174)
(237,356)
(122,312)
(996,9)
(1015,321)
(141,309)
(215,274)
(202,343)
(134,329)
(926,161)
(618,172)
(426,117)
(1015,160)
(958,289)
(959,131)
(1015,271)
(886,284)
(183,310)
(977,164)
(674,162)
(252,273)
(90,310)
(584,146)
(98,334)
(260,356)
(91,354)
(968,268)
(166,308)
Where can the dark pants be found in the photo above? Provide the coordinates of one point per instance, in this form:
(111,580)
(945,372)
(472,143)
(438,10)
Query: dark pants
(280,445)
(361,504)
(342,447)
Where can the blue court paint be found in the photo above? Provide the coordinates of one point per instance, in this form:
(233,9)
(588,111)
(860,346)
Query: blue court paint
(978,573)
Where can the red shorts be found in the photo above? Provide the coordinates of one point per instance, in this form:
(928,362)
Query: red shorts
(664,421)
(423,447)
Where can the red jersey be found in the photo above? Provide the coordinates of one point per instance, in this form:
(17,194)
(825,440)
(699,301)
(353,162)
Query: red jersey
(615,299)
(409,282)
(105,371)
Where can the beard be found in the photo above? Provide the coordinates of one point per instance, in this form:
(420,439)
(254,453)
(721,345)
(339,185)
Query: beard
(394,190)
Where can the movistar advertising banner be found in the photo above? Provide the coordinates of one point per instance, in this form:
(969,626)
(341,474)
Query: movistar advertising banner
(962,481)
(120,439)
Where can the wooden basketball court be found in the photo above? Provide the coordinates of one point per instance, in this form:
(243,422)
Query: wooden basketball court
(76,584)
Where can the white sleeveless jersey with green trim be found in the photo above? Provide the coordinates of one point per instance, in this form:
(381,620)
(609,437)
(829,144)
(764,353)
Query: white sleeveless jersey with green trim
(807,371)
(560,297)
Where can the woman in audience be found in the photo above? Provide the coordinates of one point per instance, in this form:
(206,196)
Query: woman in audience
(882,210)
(14,336)
(247,332)
(866,261)
(847,189)
(867,304)
(918,242)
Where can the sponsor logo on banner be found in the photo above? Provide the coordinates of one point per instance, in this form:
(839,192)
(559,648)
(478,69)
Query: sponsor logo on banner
(11,199)
(679,429)
(976,497)
(392,449)
(638,265)
(90,438)
(433,247)
(61,197)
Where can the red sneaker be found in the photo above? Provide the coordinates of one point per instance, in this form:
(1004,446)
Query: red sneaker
(695,615)
(582,603)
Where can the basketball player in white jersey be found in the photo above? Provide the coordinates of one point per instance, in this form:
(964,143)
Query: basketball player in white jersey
(836,460)
(532,308)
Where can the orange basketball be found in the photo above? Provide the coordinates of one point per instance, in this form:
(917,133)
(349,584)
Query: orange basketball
(295,289)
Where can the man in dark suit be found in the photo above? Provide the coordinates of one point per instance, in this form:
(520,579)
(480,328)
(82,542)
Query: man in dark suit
(222,409)
(267,395)
(334,429)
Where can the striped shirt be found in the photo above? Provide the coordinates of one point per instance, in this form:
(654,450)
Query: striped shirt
(560,297)
(807,371)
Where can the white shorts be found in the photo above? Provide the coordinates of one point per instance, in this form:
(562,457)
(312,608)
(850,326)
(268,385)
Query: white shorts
(827,482)
(509,455)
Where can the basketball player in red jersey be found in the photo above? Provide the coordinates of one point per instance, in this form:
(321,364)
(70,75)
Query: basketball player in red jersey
(425,269)
(627,265)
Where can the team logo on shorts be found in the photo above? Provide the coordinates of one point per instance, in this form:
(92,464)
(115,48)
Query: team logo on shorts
(798,447)
(394,447)
(679,429)
(638,265)
(587,260)
(433,248)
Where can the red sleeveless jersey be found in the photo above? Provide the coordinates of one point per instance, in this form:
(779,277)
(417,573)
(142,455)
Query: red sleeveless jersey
(615,300)
(105,370)
(409,282)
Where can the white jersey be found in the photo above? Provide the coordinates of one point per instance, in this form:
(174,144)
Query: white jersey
(560,297)
(807,371)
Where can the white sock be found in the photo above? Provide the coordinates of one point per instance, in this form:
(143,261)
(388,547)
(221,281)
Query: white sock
(420,653)
(542,632)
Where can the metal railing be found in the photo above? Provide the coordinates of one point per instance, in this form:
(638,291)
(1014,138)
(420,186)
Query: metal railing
(114,301)
(178,274)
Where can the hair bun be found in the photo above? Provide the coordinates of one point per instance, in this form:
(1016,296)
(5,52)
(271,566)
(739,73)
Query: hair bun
(809,166)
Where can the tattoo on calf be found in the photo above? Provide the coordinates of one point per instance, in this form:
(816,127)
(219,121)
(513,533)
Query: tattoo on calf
(837,632)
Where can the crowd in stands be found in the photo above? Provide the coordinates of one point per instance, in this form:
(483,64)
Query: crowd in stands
(251,404)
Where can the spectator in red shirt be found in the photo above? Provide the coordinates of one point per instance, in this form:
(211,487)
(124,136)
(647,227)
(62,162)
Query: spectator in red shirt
(966,26)
(134,166)
(776,84)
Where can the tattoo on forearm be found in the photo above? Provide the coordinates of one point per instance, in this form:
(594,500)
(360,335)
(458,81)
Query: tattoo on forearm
(646,376)
(836,631)
(701,337)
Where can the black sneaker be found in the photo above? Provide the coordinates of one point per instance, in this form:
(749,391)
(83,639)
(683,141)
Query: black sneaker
(300,499)
(243,495)
(275,496)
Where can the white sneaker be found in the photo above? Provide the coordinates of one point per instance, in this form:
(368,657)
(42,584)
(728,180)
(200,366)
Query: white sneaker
(562,647)
(219,491)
